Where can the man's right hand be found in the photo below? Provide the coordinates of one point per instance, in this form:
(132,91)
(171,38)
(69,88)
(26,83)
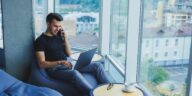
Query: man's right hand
(66,63)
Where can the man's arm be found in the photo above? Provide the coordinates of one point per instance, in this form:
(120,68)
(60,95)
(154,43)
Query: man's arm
(49,64)
(67,45)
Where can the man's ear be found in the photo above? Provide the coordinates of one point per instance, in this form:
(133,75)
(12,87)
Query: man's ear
(48,24)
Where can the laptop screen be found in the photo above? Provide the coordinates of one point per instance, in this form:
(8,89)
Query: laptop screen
(85,58)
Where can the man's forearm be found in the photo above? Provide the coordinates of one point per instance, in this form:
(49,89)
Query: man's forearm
(67,47)
(48,64)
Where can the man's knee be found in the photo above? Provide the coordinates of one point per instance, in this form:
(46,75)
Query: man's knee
(75,73)
(98,65)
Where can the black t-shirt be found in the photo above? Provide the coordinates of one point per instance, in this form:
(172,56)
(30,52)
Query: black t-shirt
(52,46)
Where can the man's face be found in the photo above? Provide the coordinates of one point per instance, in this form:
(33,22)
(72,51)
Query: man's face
(54,26)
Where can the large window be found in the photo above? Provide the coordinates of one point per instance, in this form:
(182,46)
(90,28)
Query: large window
(40,10)
(167,32)
(118,30)
(81,21)
(1,31)
(2,57)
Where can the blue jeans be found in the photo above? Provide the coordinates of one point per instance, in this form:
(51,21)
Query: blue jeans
(76,78)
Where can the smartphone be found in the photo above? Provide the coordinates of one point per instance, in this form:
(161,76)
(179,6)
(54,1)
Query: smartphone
(61,33)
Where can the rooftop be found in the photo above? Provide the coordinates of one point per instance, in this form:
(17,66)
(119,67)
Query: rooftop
(173,31)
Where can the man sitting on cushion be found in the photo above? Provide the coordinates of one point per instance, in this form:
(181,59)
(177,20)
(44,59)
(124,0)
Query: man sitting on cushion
(52,49)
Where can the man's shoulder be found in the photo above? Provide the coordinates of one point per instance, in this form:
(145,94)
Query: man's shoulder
(41,37)
(40,43)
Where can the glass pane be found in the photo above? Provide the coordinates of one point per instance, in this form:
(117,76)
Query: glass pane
(191,87)
(118,30)
(166,41)
(81,22)
(39,13)
(2,57)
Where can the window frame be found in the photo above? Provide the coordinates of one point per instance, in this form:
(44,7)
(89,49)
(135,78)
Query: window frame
(53,8)
(132,66)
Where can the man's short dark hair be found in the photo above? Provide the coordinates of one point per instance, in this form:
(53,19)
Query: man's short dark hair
(52,16)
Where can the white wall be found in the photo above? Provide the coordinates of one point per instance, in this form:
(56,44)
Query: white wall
(182,48)
(18,36)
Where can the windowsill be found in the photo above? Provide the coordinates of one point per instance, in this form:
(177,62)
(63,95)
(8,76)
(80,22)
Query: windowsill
(116,65)
(110,77)
(78,49)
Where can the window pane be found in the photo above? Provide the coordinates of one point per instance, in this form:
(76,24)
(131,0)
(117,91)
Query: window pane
(2,57)
(190,88)
(118,30)
(1,33)
(39,13)
(81,21)
(167,30)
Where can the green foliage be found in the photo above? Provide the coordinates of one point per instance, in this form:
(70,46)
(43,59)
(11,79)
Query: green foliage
(184,89)
(158,74)
(155,74)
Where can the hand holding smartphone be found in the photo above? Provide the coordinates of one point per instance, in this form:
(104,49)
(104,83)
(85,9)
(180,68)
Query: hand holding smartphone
(62,34)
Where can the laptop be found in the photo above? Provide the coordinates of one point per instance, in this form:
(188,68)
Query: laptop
(84,59)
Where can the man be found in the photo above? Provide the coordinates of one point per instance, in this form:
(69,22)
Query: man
(52,49)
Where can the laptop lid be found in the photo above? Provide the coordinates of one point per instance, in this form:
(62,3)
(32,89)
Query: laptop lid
(85,58)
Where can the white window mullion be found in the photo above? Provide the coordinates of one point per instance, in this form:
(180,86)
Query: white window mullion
(105,13)
(189,77)
(104,26)
(132,43)
(50,6)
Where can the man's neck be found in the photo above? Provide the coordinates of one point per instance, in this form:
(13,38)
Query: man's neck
(47,33)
